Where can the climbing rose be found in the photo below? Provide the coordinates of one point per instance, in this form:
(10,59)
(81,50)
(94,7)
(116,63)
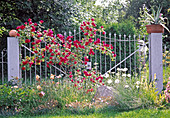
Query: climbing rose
(27,41)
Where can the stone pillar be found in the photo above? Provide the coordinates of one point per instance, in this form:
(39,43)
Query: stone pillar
(155,61)
(13,58)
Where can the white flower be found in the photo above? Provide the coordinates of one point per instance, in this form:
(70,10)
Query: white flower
(61,74)
(95,64)
(58,76)
(15,86)
(123,75)
(128,75)
(138,82)
(125,69)
(119,69)
(109,81)
(126,86)
(117,74)
(137,86)
(117,81)
(106,75)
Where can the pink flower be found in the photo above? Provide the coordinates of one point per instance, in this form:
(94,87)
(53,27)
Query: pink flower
(29,20)
(88,23)
(93,24)
(101,26)
(86,33)
(91,29)
(18,34)
(50,50)
(72,80)
(160,15)
(75,85)
(59,63)
(81,28)
(87,28)
(86,59)
(92,19)
(35,24)
(33,29)
(41,21)
(41,94)
(70,76)
(104,33)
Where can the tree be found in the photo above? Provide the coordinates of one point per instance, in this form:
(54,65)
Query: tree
(56,13)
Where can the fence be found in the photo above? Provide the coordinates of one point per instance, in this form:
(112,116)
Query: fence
(131,53)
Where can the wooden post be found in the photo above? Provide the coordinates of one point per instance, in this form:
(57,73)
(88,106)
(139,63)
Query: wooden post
(155,61)
(13,57)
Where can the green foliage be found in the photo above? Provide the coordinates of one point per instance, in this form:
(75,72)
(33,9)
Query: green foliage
(57,13)
(134,93)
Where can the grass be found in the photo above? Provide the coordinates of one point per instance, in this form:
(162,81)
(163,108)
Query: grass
(139,113)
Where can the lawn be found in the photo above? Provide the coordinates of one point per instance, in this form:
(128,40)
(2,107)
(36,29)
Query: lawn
(140,113)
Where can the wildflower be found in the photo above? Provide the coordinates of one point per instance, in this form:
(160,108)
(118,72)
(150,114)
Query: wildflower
(126,86)
(123,75)
(155,76)
(58,76)
(95,64)
(109,81)
(118,69)
(41,94)
(52,76)
(117,81)
(125,69)
(117,74)
(15,86)
(37,77)
(39,87)
(137,86)
(106,75)
(128,75)
(138,82)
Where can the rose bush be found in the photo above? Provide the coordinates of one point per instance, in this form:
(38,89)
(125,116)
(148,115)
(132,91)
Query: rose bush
(71,55)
